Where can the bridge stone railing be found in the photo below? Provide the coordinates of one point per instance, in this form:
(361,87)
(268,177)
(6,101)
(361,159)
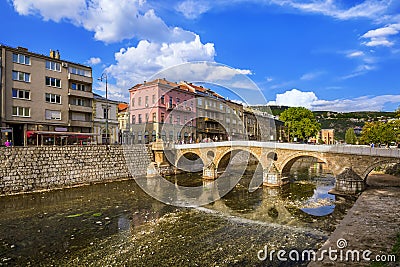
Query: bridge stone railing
(340,149)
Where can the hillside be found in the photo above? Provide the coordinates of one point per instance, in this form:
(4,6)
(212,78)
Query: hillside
(340,121)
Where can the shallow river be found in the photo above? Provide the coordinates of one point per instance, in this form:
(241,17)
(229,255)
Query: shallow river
(117,224)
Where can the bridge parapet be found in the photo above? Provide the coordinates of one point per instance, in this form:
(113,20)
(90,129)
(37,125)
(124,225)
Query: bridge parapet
(339,149)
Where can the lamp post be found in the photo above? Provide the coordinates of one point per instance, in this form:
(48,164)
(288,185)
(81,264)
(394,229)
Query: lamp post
(104,76)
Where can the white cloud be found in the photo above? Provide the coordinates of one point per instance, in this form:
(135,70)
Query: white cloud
(111,21)
(311,75)
(379,42)
(368,9)
(50,9)
(113,92)
(295,98)
(355,54)
(360,70)
(382,32)
(94,60)
(136,64)
(192,9)
(379,37)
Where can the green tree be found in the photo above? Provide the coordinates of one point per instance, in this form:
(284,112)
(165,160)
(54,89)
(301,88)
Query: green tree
(380,132)
(398,112)
(300,122)
(350,137)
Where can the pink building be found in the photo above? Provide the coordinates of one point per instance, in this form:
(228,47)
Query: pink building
(162,109)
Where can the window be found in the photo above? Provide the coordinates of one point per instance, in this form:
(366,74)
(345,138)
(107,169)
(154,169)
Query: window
(21,76)
(221,106)
(53,82)
(162,117)
(170,119)
(21,112)
(21,59)
(50,65)
(153,99)
(154,117)
(133,102)
(178,119)
(78,116)
(133,119)
(199,101)
(105,113)
(162,100)
(53,114)
(78,102)
(78,86)
(146,101)
(80,72)
(184,119)
(52,98)
(139,101)
(178,100)
(21,94)
(140,118)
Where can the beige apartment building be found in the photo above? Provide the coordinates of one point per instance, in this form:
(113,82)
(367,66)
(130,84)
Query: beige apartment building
(105,120)
(44,99)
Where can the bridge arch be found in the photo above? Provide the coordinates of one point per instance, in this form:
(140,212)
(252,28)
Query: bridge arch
(189,161)
(219,159)
(364,175)
(287,164)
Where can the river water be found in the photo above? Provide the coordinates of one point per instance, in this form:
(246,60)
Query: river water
(117,224)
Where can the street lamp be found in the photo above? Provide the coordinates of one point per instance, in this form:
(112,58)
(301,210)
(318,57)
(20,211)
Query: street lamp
(104,76)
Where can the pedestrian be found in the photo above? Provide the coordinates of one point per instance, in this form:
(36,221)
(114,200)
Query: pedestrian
(7,143)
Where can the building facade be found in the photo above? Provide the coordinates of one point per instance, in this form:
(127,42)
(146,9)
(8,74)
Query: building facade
(105,121)
(43,95)
(162,109)
(328,136)
(123,123)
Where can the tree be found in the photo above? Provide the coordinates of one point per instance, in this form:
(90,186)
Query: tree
(398,112)
(380,132)
(300,122)
(350,137)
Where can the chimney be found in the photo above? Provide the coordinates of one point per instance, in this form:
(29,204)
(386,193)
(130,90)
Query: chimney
(51,53)
(57,56)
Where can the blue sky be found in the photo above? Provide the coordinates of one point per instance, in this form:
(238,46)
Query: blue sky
(323,54)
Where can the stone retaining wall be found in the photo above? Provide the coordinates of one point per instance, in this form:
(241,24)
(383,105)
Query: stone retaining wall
(27,169)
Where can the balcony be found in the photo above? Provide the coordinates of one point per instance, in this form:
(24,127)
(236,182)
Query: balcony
(184,109)
(80,123)
(80,93)
(80,78)
(80,108)
(170,106)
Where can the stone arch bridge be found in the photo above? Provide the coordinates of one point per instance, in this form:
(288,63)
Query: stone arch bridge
(348,163)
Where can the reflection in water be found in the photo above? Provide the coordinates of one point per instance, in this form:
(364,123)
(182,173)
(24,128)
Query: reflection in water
(43,227)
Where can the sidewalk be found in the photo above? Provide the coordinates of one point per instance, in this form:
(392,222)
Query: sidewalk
(371,224)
